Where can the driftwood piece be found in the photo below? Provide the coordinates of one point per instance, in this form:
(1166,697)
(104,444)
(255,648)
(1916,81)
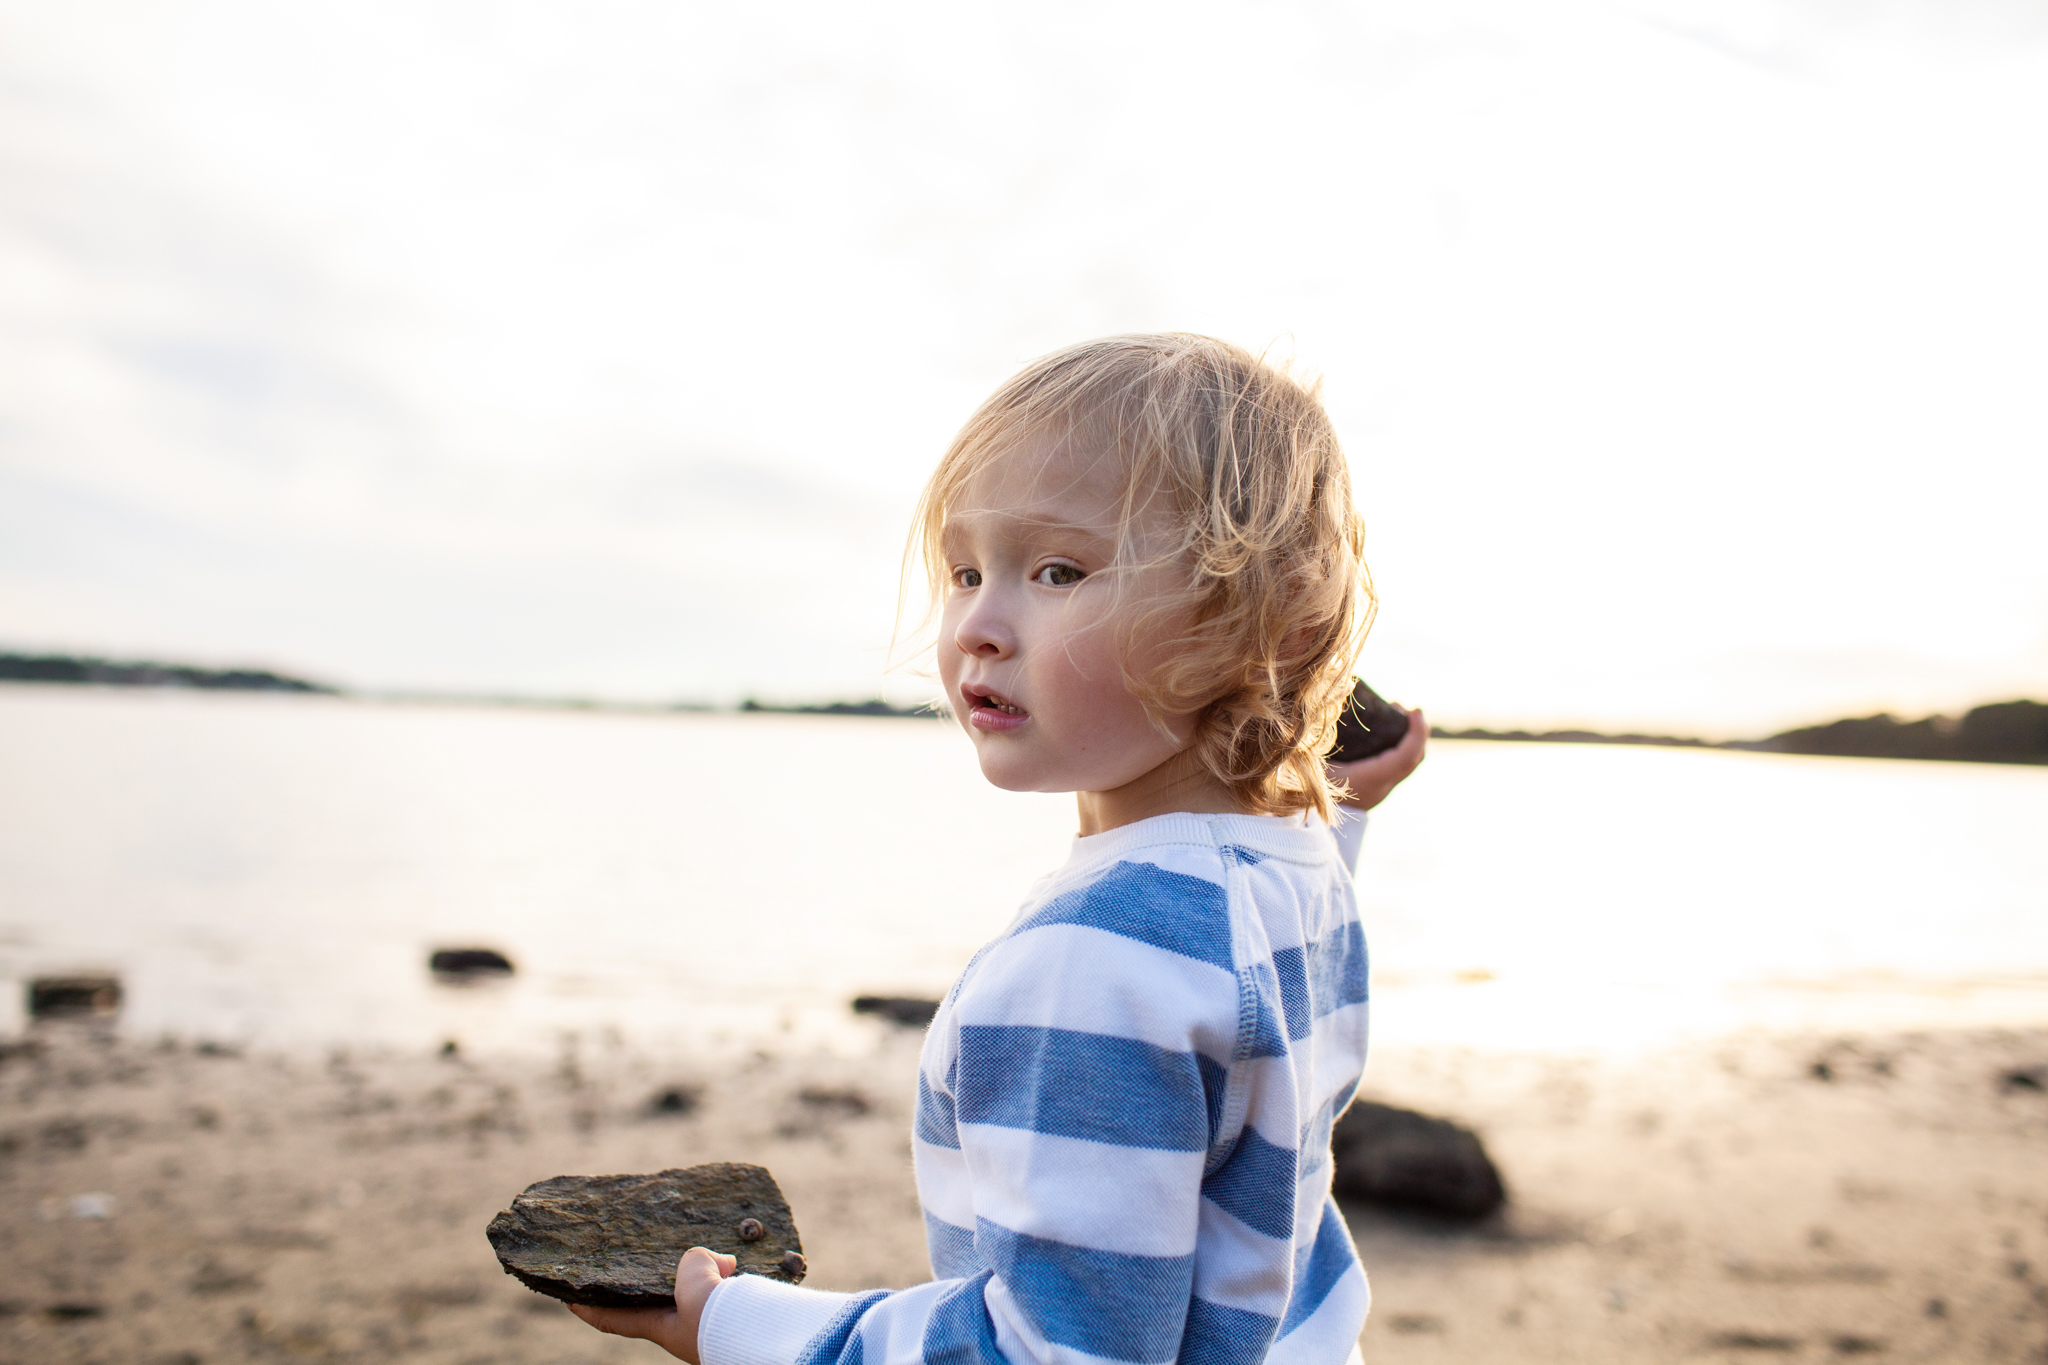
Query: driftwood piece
(613,1240)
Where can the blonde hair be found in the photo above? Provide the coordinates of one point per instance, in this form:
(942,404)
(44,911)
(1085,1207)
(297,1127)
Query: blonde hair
(1275,599)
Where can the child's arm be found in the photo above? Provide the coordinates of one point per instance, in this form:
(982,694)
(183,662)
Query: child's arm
(1061,1154)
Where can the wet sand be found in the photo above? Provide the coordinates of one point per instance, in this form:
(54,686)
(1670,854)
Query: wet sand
(1758,1199)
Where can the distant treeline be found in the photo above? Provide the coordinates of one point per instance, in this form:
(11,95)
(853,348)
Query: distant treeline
(873,707)
(1570,737)
(2003,732)
(65,668)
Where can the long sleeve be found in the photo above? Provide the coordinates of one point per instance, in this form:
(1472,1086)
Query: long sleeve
(1064,1121)
(1112,1104)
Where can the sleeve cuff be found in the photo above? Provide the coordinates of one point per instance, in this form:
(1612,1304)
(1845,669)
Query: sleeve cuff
(752,1320)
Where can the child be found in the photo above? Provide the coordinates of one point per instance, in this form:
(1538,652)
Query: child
(1150,591)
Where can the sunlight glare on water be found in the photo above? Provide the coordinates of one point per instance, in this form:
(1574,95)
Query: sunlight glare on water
(275,870)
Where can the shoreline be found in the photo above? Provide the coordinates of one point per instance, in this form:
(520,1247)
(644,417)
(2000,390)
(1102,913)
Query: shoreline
(1753,1197)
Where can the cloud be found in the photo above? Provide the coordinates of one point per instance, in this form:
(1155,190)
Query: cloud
(495,348)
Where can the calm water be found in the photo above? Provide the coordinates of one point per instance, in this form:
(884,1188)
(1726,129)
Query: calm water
(275,870)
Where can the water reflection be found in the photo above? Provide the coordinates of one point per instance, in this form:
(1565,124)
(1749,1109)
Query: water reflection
(278,870)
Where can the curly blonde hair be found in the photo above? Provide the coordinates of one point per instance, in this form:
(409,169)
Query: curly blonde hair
(1274,601)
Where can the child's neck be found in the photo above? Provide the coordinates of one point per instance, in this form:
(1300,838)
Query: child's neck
(1178,785)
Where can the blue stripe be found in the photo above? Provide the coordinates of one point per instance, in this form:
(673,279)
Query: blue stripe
(959,1331)
(1290,966)
(1107,1303)
(1169,910)
(1217,1335)
(1215,1085)
(839,1342)
(1256,1185)
(1266,1039)
(1328,1261)
(935,1121)
(1315,1134)
(951,1249)
(1338,969)
(1093,1086)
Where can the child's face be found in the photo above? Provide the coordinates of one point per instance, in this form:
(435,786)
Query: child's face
(1027,648)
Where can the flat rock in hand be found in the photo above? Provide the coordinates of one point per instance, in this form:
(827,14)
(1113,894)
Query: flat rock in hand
(612,1241)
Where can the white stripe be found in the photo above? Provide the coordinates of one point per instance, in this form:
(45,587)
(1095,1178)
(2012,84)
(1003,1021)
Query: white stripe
(944,1187)
(1107,984)
(892,1332)
(1338,1042)
(1241,1267)
(1086,1194)
(1274,1108)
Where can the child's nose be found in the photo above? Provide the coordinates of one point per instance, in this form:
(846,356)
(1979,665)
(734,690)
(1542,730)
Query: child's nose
(984,634)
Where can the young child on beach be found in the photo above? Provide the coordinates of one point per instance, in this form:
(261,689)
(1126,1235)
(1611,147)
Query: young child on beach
(1150,593)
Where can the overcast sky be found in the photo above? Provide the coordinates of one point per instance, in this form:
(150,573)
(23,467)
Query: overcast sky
(1690,356)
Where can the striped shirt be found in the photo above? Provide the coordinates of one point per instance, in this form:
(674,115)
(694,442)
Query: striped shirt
(1123,1124)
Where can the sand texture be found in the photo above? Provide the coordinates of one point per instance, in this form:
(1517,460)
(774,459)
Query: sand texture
(1881,1198)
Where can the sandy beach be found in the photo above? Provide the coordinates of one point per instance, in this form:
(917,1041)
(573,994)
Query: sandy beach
(1755,1199)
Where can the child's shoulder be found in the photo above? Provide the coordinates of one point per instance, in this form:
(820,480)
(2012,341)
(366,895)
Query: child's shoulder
(1206,847)
(1175,881)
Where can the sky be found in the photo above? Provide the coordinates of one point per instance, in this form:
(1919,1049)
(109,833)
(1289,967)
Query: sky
(1688,355)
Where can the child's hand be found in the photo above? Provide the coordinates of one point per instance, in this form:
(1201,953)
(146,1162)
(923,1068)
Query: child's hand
(1370,779)
(672,1329)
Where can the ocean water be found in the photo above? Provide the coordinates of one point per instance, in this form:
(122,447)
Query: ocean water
(273,871)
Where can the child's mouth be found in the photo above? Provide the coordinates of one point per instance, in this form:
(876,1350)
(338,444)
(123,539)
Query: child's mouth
(994,712)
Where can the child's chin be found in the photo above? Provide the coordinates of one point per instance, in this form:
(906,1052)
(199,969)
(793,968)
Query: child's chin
(1015,777)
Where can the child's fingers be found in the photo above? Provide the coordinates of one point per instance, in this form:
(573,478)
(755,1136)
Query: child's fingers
(644,1324)
(700,1270)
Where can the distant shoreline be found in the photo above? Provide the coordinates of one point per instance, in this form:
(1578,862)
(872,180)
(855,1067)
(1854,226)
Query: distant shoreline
(1998,732)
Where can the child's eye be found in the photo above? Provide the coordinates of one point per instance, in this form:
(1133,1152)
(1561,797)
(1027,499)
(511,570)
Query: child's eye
(966,578)
(1060,575)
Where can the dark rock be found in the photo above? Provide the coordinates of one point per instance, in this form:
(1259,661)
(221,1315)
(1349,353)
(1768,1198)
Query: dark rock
(1395,1156)
(846,1102)
(1847,1345)
(677,1101)
(74,997)
(22,1048)
(613,1240)
(897,1009)
(1752,1341)
(75,1312)
(1368,724)
(468,964)
(214,1278)
(2034,1078)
